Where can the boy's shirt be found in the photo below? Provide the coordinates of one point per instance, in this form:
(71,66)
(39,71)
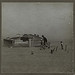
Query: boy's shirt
(61,43)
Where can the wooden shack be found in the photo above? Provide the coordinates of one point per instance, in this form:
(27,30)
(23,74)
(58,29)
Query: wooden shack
(27,40)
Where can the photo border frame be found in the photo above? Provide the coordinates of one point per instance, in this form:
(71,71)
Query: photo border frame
(72,1)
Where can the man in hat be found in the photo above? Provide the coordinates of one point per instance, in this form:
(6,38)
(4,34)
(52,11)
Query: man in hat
(44,40)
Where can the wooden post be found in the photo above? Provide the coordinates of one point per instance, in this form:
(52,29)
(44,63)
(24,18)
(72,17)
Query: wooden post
(49,45)
(56,48)
(29,42)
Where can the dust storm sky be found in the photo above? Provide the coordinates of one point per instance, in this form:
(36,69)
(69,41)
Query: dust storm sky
(54,20)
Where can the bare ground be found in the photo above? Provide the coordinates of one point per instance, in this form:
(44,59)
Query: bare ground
(20,60)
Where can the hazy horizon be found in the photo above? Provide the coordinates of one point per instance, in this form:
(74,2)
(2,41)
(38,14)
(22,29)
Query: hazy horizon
(54,20)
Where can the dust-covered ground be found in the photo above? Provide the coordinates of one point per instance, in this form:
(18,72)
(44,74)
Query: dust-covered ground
(21,59)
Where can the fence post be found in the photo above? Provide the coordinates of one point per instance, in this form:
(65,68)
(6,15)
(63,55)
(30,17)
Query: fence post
(56,48)
(29,42)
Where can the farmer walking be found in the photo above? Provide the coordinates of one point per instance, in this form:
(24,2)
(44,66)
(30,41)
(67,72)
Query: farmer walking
(44,40)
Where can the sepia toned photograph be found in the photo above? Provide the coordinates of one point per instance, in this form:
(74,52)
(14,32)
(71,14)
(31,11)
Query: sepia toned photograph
(37,37)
